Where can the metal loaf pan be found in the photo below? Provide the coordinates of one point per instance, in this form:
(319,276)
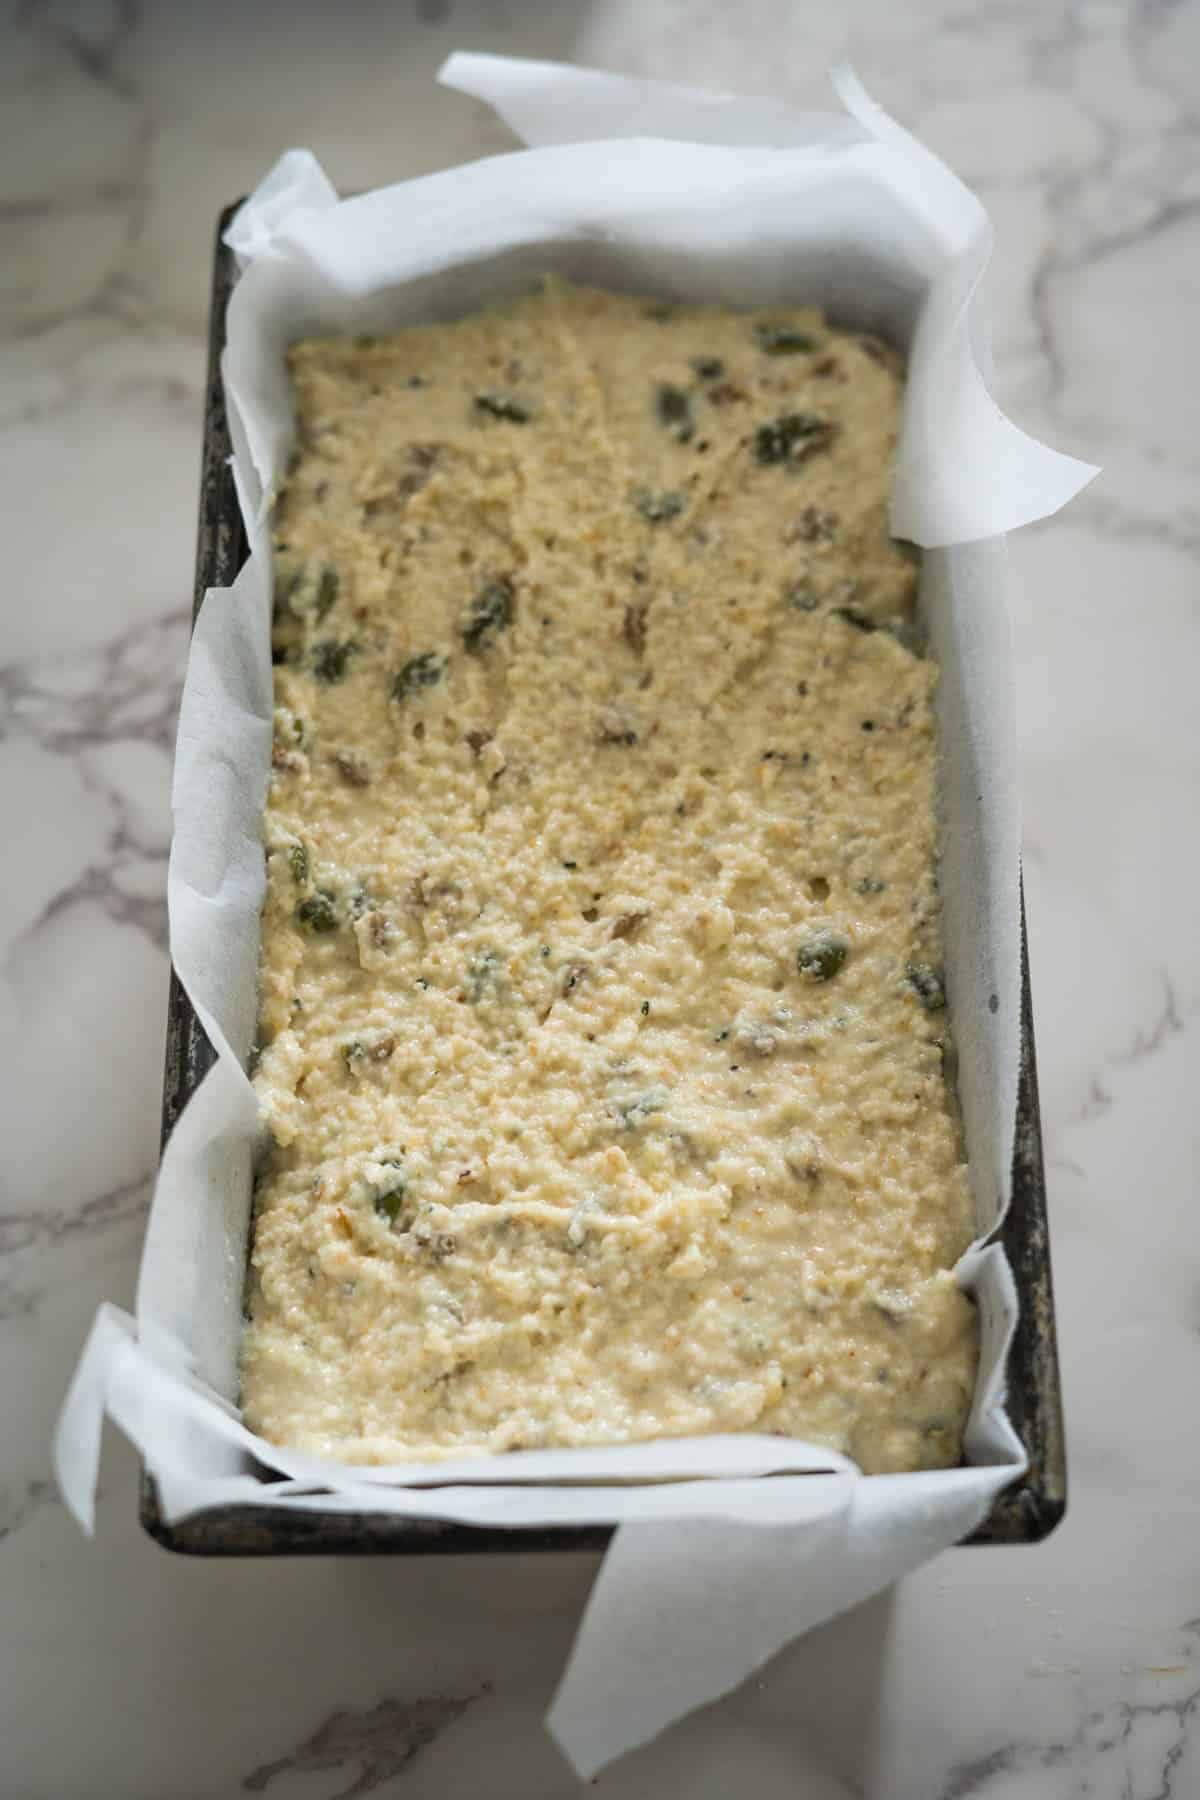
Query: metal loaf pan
(1025,1512)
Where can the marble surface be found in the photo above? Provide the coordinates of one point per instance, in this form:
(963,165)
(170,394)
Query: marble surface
(1065,1670)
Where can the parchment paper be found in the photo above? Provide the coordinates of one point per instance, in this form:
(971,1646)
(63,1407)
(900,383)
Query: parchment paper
(683,194)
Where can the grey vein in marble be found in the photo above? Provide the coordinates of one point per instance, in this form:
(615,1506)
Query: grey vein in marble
(1133,1744)
(382,1741)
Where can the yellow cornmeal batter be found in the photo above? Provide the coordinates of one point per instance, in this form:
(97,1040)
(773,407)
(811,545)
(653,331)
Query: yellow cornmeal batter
(602,1015)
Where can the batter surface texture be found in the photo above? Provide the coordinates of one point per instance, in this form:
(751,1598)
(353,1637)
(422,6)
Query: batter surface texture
(602,1015)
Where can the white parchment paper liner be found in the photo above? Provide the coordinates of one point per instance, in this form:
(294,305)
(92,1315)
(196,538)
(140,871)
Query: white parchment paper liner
(684,194)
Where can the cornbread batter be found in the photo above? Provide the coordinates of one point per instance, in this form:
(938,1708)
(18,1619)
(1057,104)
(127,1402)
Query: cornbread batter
(602,1015)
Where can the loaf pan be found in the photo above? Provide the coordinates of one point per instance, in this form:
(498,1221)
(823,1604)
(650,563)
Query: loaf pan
(1025,1512)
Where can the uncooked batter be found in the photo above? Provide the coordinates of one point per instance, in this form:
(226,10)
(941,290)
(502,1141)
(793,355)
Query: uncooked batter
(602,1013)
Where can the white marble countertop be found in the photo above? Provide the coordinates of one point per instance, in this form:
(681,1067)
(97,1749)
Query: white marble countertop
(1065,1670)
